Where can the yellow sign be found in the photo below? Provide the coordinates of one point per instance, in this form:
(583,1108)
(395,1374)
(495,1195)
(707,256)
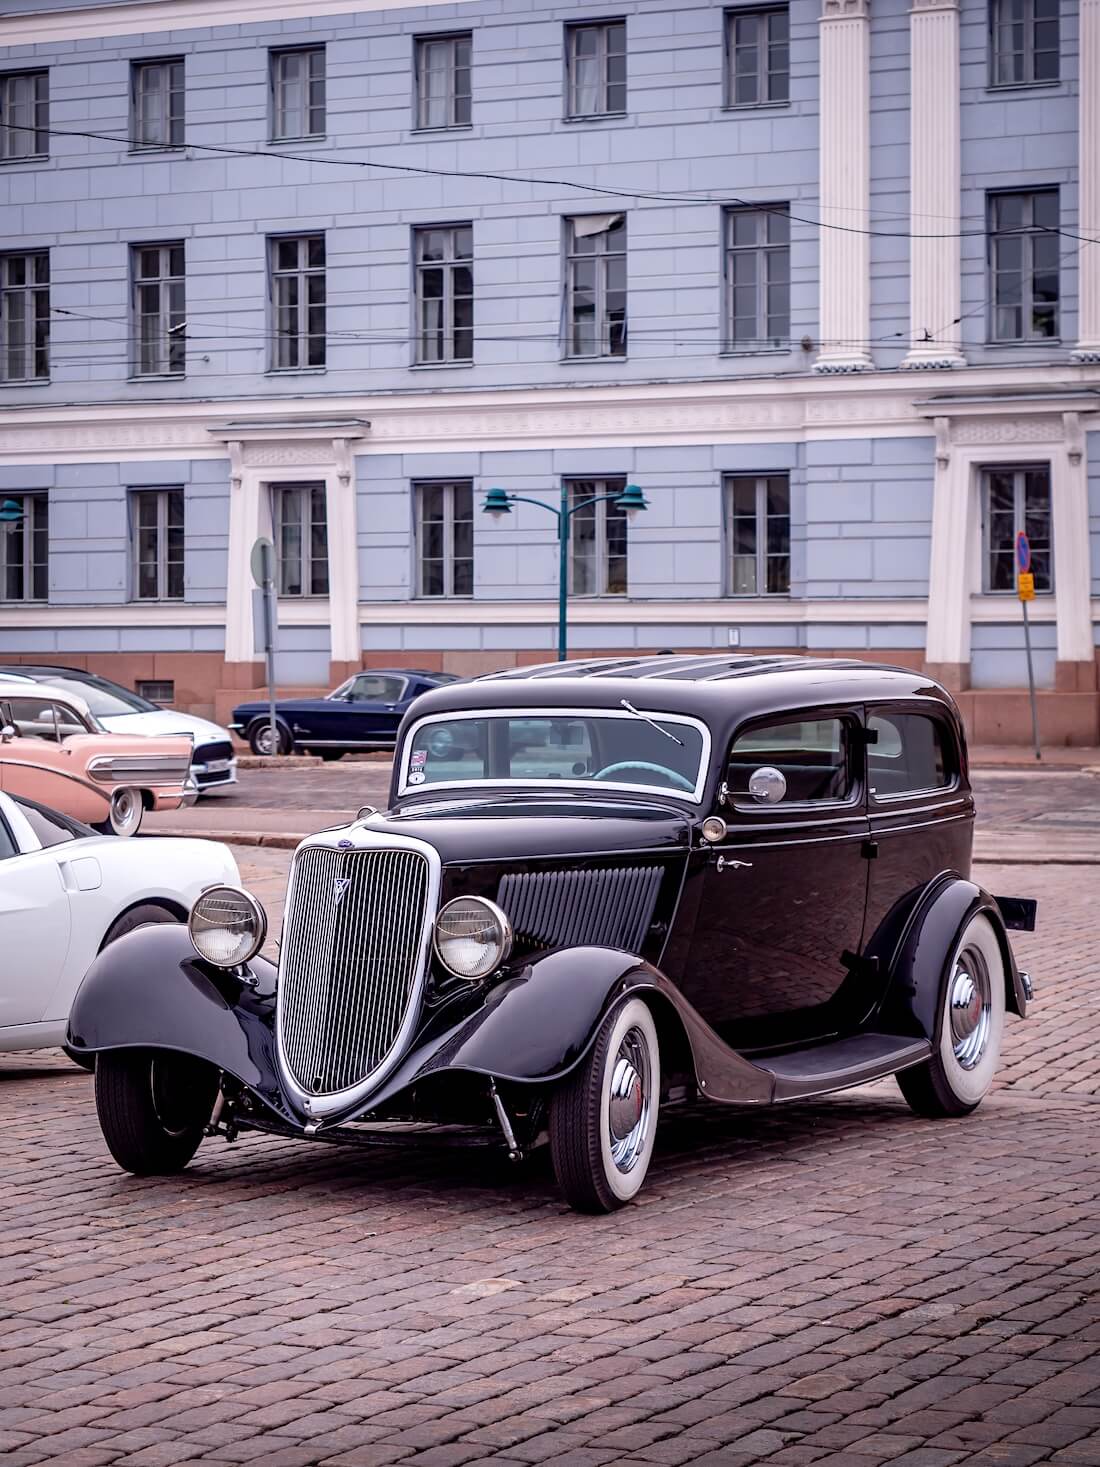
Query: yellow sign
(1025,586)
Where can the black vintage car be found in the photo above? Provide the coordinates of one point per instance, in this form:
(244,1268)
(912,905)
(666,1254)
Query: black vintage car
(364,712)
(600,888)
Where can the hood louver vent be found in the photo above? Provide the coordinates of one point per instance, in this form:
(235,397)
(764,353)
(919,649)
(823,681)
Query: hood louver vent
(609,908)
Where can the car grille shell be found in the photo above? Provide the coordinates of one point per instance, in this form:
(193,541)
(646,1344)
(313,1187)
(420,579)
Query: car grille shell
(352,963)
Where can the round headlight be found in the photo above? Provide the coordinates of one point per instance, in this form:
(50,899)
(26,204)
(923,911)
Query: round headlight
(472,937)
(227,926)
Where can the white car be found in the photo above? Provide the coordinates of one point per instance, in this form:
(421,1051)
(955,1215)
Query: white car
(118,710)
(66,892)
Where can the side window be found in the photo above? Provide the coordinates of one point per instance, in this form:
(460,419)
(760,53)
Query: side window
(7,841)
(812,754)
(372,688)
(911,754)
(51,829)
(34,718)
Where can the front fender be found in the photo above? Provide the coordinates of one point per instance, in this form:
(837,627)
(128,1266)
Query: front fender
(151,990)
(537,1025)
(919,970)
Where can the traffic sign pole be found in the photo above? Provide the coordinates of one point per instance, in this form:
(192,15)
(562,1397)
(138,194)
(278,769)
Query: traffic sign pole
(263,573)
(1025,590)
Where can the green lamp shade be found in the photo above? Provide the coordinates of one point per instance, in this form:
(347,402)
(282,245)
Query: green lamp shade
(496,502)
(631,498)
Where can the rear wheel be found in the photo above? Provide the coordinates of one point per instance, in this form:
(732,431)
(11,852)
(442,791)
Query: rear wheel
(603,1118)
(124,816)
(153,1105)
(260,740)
(957,1077)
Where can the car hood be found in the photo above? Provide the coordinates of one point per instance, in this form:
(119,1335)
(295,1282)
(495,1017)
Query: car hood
(164,721)
(518,828)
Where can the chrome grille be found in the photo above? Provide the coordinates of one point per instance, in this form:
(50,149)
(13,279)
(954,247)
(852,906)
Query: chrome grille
(608,908)
(351,962)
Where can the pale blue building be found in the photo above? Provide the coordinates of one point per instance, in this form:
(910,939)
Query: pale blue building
(818,276)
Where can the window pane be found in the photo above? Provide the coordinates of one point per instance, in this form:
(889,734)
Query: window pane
(909,754)
(811,754)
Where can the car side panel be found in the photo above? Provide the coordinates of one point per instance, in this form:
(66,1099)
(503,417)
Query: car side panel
(39,770)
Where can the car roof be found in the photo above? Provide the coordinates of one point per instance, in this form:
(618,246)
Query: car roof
(22,685)
(721,689)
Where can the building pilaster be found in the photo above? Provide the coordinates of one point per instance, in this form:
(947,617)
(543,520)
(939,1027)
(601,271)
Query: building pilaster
(244,526)
(1072,570)
(935,185)
(1088,184)
(343,564)
(947,648)
(845,182)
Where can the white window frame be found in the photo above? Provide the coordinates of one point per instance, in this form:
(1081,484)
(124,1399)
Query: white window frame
(761,517)
(579,489)
(295,344)
(160,496)
(29,138)
(443,340)
(457,114)
(281,86)
(300,494)
(33,505)
(165,354)
(767,255)
(1019,514)
(448,486)
(1000,23)
(25,333)
(604,53)
(1027,234)
(166,101)
(766,75)
(602,255)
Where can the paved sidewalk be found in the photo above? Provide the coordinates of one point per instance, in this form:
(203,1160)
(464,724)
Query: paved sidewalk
(835,1283)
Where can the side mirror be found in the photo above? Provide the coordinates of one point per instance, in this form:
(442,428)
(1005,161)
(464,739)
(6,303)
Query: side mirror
(767,785)
(7,733)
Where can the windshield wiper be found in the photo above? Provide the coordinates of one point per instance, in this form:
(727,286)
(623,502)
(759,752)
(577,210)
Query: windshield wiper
(630,708)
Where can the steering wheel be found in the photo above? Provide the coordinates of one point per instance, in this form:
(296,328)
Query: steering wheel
(677,780)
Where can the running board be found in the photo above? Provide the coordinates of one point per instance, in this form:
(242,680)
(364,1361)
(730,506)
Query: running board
(842,1064)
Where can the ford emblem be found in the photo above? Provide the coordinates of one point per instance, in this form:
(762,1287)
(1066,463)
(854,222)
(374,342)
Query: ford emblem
(345,845)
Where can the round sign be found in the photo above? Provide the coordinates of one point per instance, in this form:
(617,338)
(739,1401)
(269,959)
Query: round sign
(262,561)
(1023,552)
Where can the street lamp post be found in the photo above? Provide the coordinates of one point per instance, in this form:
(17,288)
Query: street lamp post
(499,502)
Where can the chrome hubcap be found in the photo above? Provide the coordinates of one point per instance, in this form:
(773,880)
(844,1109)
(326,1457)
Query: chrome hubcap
(629,1108)
(970,1000)
(124,808)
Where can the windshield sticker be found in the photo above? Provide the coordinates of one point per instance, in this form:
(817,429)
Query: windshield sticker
(416,777)
(419,759)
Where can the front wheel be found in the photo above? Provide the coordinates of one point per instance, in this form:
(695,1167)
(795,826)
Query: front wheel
(261,742)
(957,1077)
(153,1105)
(603,1118)
(124,816)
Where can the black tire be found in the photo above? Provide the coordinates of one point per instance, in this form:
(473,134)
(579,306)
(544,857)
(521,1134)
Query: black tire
(328,755)
(959,1074)
(259,738)
(144,916)
(582,1139)
(153,1106)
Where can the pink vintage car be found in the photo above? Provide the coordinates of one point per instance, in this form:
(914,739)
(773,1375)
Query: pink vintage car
(53,750)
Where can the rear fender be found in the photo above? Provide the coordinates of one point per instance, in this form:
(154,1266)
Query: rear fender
(919,971)
(151,990)
(536,1026)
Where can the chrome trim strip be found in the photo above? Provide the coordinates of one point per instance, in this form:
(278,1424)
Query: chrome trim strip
(322,1107)
(695,796)
(153,769)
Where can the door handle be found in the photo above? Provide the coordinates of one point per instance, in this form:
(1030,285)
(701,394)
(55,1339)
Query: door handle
(724,865)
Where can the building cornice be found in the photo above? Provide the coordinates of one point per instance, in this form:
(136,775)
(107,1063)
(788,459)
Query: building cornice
(791,409)
(88,22)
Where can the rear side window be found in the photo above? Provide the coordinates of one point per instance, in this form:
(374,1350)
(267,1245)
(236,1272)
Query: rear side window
(51,828)
(911,754)
(7,841)
(812,755)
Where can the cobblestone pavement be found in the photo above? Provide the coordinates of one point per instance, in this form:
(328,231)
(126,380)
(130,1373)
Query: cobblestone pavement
(835,1283)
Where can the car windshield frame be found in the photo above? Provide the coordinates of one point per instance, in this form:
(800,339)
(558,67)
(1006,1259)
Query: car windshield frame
(577,782)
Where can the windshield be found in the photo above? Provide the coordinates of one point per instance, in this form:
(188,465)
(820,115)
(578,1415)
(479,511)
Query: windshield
(105,700)
(628,750)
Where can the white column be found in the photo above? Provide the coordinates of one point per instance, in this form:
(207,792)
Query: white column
(935,184)
(1088,184)
(947,650)
(244,526)
(343,557)
(1072,572)
(845,167)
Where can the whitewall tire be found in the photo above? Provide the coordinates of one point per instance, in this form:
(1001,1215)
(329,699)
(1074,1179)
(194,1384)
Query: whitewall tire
(603,1118)
(125,814)
(960,1073)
